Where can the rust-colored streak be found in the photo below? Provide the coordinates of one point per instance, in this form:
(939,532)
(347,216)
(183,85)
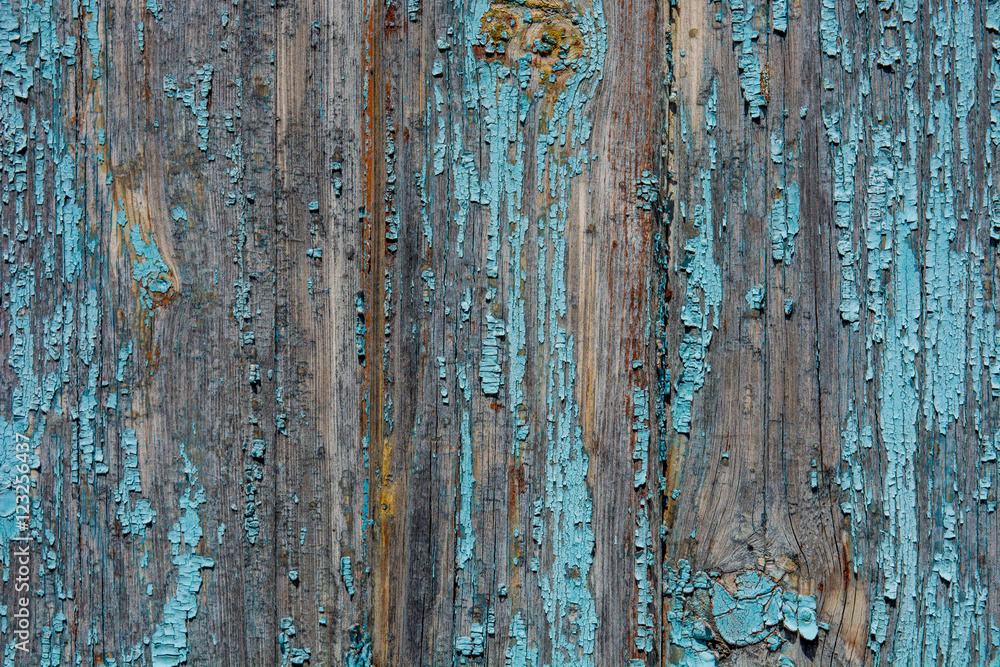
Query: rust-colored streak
(382,490)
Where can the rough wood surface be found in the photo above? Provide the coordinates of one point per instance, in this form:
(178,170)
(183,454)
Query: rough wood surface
(526,333)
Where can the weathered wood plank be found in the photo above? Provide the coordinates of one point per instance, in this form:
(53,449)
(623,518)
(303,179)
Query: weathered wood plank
(869,128)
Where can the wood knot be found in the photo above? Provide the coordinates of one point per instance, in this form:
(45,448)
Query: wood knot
(543,36)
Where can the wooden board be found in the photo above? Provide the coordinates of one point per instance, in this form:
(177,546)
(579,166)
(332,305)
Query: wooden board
(530,333)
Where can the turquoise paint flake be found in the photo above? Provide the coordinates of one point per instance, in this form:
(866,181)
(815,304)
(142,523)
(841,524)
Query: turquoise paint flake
(253,473)
(149,270)
(347,574)
(169,645)
(644,558)
(467,188)
(290,655)
(922,335)
(785,223)
(155,7)
(748,614)
(946,270)
(123,355)
(779,15)
(748,62)
(391,213)
(845,156)
(360,328)
(703,293)
(517,653)
(490,370)
(427,275)
(93,37)
(640,425)
(466,535)
(195,97)
(426,203)
(898,393)
(687,631)
(473,644)
(133,517)
(258,447)
(441,145)
(17,458)
(829,28)
(568,501)
(647,191)
(86,445)
(755,298)
(360,652)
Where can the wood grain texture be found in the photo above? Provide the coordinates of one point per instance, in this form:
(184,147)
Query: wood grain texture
(530,333)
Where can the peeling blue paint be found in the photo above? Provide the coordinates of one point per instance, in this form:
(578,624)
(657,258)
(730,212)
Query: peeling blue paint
(466,535)
(517,653)
(784,218)
(133,518)
(149,270)
(17,458)
(290,655)
(169,645)
(921,334)
(703,293)
(755,297)
(748,613)
(640,425)
(346,574)
(195,97)
(360,652)
(779,15)
(845,155)
(829,28)
(748,62)
(155,7)
(360,328)
(503,94)
(644,558)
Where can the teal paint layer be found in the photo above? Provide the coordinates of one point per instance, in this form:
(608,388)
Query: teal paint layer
(16,458)
(347,574)
(844,149)
(641,433)
(169,646)
(501,94)
(748,62)
(786,204)
(136,515)
(703,292)
(644,559)
(194,97)
(927,326)
(745,609)
(149,270)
